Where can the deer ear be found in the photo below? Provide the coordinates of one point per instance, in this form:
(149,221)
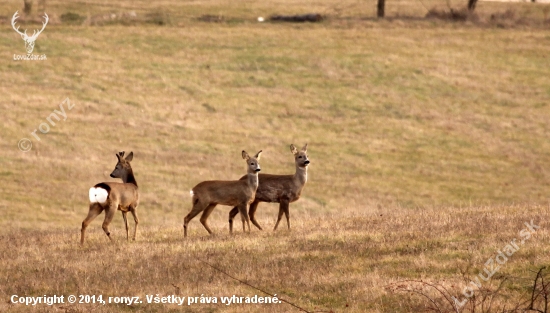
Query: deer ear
(305,148)
(245,155)
(257,156)
(130,156)
(293,149)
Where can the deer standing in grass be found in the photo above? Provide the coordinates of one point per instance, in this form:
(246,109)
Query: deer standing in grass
(113,196)
(238,193)
(283,189)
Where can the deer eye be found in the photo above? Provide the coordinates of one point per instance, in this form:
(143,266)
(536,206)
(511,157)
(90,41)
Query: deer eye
(299,157)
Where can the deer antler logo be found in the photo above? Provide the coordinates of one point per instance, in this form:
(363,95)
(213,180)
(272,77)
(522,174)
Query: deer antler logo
(29,40)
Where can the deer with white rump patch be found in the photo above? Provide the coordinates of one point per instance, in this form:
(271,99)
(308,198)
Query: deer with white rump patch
(283,189)
(238,193)
(113,196)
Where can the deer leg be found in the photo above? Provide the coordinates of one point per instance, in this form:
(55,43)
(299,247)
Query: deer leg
(205,214)
(287,213)
(232,215)
(109,214)
(125,223)
(281,211)
(252,212)
(197,208)
(136,221)
(244,216)
(95,210)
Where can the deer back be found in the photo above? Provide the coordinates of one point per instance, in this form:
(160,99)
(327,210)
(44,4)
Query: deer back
(274,188)
(124,194)
(224,192)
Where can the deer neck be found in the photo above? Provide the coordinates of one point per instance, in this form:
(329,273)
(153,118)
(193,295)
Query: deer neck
(253,180)
(128,177)
(301,175)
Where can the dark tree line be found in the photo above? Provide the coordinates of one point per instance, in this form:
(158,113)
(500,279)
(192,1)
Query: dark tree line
(382,3)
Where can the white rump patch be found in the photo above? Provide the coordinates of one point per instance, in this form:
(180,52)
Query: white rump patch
(191,192)
(98,195)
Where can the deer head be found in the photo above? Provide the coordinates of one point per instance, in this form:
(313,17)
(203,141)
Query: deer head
(29,40)
(123,169)
(300,156)
(252,162)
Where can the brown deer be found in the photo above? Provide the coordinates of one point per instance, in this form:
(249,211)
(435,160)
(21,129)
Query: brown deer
(238,193)
(113,196)
(283,189)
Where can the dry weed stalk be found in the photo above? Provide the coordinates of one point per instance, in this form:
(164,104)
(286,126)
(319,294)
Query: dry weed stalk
(439,298)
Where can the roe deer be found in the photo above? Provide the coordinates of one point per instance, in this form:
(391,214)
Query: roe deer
(114,196)
(238,193)
(283,189)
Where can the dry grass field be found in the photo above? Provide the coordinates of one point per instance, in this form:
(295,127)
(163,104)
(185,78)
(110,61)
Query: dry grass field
(428,140)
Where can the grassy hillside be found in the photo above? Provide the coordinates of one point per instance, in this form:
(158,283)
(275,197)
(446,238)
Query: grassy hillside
(343,263)
(412,116)
(418,129)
